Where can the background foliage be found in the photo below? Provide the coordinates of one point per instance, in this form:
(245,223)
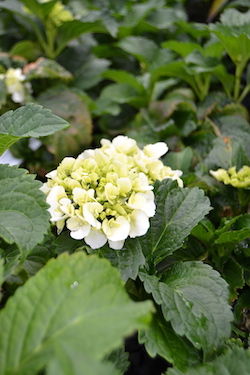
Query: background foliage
(157,70)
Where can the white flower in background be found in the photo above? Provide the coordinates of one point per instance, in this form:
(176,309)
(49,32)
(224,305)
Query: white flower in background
(106,194)
(14,84)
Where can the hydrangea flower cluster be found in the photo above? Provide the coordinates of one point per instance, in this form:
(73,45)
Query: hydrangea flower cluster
(14,83)
(240,179)
(106,194)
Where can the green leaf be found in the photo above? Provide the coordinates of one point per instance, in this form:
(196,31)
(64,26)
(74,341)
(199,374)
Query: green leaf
(121,76)
(90,73)
(236,230)
(73,299)
(3,92)
(165,18)
(68,362)
(72,29)
(28,121)
(46,68)
(69,106)
(160,339)
(180,160)
(178,211)
(234,275)
(193,297)
(139,11)
(26,48)
(142,48)
(122,93)
(234,362)
(182,48)
(234,34)
(128,260)
(23,210)
(1,273)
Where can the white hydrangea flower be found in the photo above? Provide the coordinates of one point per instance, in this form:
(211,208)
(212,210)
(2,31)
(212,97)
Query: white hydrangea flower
(106,194)
(14,83)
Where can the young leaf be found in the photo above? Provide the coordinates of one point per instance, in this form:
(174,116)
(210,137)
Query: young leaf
(178,212)
(193,298)
(28,121)
(160,339)
(234,362)
(23,210)
(73,299)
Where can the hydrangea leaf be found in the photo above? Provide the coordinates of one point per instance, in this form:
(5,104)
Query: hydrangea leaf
(68,105)
(178,212)
(128,260)
(74,298)
(28,121)
(160,339)
(194,298)
(23,210)
(68,362)
(234,362)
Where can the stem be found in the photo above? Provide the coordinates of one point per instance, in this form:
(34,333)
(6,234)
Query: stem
(244,93)
(238,73)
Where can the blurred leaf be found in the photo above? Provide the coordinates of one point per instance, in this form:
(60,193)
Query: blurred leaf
(28,121)
(3,93)
(90,73)
(194,299)
(68,362)
(26,48)
(24,215)
(84,299)
(182,48)
(123,93)
(68,105)
(180,160)
(142,48)
(139,11)
(234,33)
(72,29)
(45,68)
(121,76)
(164,18)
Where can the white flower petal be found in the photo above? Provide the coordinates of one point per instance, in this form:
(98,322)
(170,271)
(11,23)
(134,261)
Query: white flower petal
(119,228)
(116,245)
(91,210)
(156,150)
(139,223)
(95,239)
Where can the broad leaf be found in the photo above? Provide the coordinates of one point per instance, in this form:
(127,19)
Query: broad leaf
(178,211)
(160,339)
(142,48)
(121,76)
(234,362)
(128,260)
(28,121)
(193,298)
(46,68)
(23,210)
(74,298)
(68,362)
(69,106)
